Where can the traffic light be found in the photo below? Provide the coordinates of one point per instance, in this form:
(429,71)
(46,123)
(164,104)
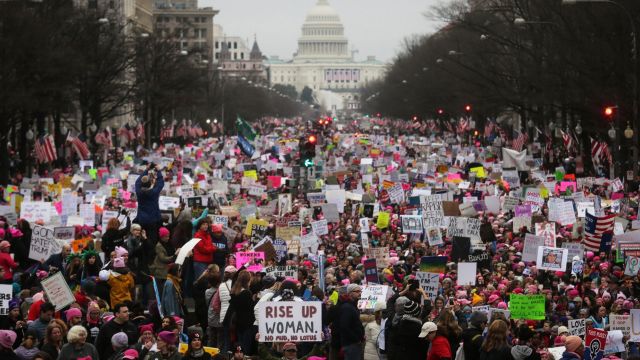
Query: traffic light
(440,111)
(308,150)
(467,108)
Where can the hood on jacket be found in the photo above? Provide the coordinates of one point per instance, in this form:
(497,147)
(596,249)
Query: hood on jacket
(521,352)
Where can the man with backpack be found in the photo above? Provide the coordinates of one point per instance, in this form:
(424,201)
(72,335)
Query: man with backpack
(472,336)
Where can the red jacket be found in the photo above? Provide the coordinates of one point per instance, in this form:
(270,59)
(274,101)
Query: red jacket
(7,263)
(204,249)
(440,349)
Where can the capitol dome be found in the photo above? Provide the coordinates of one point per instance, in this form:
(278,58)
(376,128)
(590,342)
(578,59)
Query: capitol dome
(322,36)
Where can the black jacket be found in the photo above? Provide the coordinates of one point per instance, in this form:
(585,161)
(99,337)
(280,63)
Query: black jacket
(503,353)
(471,342)
(103,340)
(406,343)
(351,329)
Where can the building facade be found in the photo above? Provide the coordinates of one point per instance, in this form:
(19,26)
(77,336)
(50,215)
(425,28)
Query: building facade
(325,63)
(234,60)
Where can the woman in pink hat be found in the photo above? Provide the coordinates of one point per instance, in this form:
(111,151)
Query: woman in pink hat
(6,262)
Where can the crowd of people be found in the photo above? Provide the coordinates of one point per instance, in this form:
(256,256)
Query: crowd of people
(143,289)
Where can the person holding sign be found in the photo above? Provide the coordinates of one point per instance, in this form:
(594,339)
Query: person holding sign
(6,262)
(204,249)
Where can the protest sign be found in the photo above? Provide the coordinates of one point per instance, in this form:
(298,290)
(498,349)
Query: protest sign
(33,211)
(631,265)
(548,231)
(576,327)
(252,260)
(553,259)
(168,202)
(280,246)
(531,245)
(528,307)
(429,282)
(434,236)
(467,273)
(57,290)
(614,343)
(562,212)
(185,249)
(575,249)
(290,321)
(287,271)
(634,335)
(320,227)
(309,242)
(472,229)
(6,294)
(456,226)
(433,264)
(509,203)
(520,222)
(594,344)
(383,219)
(287,232)
(43,243)
(522,210)
(316,199)
(364,224)
(371,295)
(411,224)
(65,233)
(220,219)
(432,212)
(88,214)
(396,194)
(620,322)
(381,254)
(371,271)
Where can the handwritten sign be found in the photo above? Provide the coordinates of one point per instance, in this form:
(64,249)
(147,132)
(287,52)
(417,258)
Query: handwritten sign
(287,271)
(576,327)
(432,212)
(290,321)
(57,290)
(6,294)
(43,243)
(33,211)
(531,245)
(529,307)
(430,283)
(620,322)
(168,202)
(371,295)
(320,227)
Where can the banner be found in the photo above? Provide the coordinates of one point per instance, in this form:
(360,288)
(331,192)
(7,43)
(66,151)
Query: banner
(528,307)
(290,321)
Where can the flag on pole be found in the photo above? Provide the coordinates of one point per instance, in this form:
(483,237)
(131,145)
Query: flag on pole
(181,131)
(245,129)
(104,138)
(488,128)
(166,132)
(139,131)
(45,149)
(567,140)
(79,146)
(597,229)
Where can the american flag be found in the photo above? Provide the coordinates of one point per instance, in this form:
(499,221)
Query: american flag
(449,126)
(127,133)
(597,228)
(502,132)
(463,125)
(45,149)
(104,138)
(166,132)
(519,141)
(198,131)
(79,146)
(567,140)
(181,131)
(140,131)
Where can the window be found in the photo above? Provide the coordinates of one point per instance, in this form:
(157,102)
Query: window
(235,56)
(229,45)
(242,55)
(217,44)
(235,45)
(217,56)
(201,33)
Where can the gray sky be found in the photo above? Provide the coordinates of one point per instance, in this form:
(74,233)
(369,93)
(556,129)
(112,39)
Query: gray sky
(375,27)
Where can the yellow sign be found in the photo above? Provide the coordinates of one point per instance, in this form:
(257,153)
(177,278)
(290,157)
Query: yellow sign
(253,221)
(383,220)
(251,174)
(479,172)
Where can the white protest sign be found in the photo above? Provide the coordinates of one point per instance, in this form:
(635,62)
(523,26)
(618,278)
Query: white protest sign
(432,211)
(467,273)
(396,194)
(33,211)
(257,190)
(631,265)
(364,224)
(614,343)
(320,227)
(6,294)
(316,199)
(220,219)
(553,259)
(185,249)
(57,290)
(287,271)
(43,244)
(290,321)
(309,242)
(411,224)
(548,231)
(429,282)
(65,233)
(168,202)
(634,334)
(472,229)
(371,295)
(456,226)
(531,245)
(509,203)
(577,327)
(88,214)
(584,206)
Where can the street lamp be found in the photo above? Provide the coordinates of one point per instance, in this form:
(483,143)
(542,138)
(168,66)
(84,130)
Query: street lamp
(29,134)
(628,132)
(208,121)
(634,60)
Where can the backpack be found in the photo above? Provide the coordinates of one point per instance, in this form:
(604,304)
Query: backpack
(460,352)
(215,302)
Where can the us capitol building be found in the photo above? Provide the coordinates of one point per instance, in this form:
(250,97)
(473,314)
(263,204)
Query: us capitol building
(324,62)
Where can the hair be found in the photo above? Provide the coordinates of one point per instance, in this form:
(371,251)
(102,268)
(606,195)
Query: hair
(449,324)
(496,337)
(75,333)
(172,323)
(116,309)
(43,355)
(47,307)
(242,282)
(55,323)
(113,224)
(202,221)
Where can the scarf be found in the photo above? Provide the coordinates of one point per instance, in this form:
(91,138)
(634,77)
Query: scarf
(197,353)
(176,285)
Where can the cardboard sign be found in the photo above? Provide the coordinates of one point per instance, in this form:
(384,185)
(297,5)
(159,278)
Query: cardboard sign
(168,202)
(594,344)
(6,294)
(553,259)
(430,283)
(64,233)
(287,272)
(577,327)
(371,295)
(621,323)
(57,290)
(467,273)
(531,245)
(43,243)
(528,307)
(432,211)
(290,321)
(320,227)
(253,259)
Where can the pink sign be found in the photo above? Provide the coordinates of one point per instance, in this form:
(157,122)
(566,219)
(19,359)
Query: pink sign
(253,259)
(568,184)
(276,181)
(452,177)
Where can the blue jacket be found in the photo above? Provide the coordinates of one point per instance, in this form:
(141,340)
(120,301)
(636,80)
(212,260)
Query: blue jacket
(570,356)
(170,300)
(148,207)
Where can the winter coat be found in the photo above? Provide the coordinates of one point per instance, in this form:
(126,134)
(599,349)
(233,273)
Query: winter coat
(148,207)
(103,340)
(570,356)
(204,249)
(524,352)
(471,342)
(7,263)
(121,286)
(225,297)
(351,329)
(161,262)
(371,332)
(439,349)
(72,351)
(504,353)
(406,343)
(172,356)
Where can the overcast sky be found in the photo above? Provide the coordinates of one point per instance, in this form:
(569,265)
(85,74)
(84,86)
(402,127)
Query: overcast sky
(374,27)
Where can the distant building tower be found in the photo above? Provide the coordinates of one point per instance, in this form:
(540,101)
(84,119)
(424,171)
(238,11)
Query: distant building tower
(251,68)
